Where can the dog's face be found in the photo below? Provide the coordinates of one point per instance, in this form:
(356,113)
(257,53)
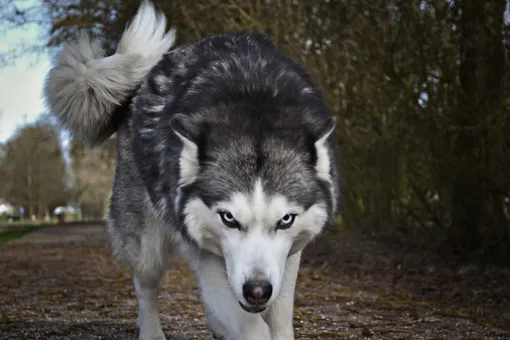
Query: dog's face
(254,232)
(253,202)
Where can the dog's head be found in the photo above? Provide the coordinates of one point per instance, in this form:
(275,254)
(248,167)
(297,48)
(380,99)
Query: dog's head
(254,195)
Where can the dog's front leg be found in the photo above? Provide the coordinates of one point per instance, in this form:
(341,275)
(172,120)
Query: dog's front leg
(148,312)
(149,268)
(225,317)
(280,314)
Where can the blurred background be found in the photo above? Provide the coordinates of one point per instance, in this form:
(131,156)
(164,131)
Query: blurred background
(420,89)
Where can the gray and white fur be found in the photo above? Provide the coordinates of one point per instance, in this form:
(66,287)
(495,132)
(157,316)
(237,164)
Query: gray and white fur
(85,87)
(226,150)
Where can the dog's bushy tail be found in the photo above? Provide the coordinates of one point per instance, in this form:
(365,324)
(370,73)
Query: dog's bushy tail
(85,87)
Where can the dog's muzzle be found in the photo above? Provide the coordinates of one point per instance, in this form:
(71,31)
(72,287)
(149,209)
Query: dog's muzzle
(252,309)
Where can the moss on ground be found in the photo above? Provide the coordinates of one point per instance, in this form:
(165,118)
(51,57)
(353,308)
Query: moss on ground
(10,235)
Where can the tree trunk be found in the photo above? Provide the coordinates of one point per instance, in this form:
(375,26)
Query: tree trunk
(481,72)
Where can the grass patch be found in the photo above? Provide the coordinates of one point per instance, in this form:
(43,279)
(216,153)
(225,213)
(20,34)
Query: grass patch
(14,234)
(452,313)
(24,223)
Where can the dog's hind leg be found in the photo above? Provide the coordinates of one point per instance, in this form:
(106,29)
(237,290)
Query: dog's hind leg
(280,314)
(225,317)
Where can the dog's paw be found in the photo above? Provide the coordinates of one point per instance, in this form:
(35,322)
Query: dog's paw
(288,336)
(153,338)
(159,335)
(217,337)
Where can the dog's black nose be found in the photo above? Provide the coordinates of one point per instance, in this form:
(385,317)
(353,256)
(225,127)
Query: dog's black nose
(257,292)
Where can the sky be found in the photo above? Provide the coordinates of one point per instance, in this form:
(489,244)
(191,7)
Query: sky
(20,94)
(21,82)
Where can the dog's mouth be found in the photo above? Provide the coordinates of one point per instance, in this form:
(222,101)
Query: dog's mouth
(252,309)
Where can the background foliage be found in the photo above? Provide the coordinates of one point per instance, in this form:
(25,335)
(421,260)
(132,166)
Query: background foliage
(33,170)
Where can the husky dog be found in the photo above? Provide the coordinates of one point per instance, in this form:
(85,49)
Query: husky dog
(226,151)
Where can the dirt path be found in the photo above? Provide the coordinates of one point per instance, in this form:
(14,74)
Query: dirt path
(62,283)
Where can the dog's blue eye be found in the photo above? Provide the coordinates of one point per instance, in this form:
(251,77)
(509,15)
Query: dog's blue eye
(228,219)
(286,221)
(227,216)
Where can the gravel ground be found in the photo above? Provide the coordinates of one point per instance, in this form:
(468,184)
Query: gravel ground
(62,283)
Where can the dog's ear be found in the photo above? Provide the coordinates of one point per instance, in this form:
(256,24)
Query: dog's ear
(189,134)
(322,159)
